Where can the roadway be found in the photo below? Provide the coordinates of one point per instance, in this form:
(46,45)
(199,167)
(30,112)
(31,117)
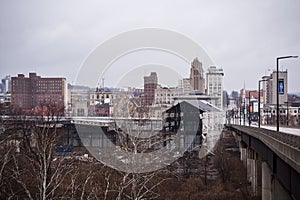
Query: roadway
(293,131)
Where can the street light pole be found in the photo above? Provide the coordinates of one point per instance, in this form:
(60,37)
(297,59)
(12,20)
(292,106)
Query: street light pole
(249,118)
(287,113)
(277,86)
(244,111)
(240,114)
(259,101)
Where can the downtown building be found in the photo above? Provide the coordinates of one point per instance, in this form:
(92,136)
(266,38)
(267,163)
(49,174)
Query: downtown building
(214,84)
(270,88)
(5,95)
(185,85)
(80,100)
(102,101)
(5,90)
(5,85)
(150,85)
(164,96)
(31,93)
(197,80)
(269,100)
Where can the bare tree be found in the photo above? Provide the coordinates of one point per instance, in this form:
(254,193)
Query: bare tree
(6,149)
(30,169)
(33,166)
(136,138)
(222,161)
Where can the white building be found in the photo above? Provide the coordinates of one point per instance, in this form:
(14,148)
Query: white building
(112,96)
(214,78)
(165,95)
(269,88)
(185,85)
(5,89)
(80,101)
(6,84)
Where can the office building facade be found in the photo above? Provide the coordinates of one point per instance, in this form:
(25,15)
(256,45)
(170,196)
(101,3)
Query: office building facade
(29,93)
(197,79)
(150,85)
(214,78)
(270,88)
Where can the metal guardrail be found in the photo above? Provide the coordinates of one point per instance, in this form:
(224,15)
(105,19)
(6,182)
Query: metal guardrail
(292,140)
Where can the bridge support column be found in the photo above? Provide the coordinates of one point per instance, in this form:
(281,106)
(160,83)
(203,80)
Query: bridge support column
(278,192)
(271,187)
(243,151)
(254,172)
(266,181)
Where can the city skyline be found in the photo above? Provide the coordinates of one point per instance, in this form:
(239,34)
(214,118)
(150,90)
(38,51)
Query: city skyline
(241,38)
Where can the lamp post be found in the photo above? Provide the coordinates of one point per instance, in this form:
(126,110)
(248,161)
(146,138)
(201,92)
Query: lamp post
(240,114)
(287,113)
(241,110)
(249,118)
(244,111)
(259,101)
(277,86)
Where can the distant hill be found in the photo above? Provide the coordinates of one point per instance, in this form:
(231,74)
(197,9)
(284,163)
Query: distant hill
(80,87)
(296,93)
(294,97)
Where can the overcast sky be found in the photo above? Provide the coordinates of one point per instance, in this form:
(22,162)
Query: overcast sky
(243,38)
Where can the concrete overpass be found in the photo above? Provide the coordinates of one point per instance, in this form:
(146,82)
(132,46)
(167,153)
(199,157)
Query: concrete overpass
(272,160)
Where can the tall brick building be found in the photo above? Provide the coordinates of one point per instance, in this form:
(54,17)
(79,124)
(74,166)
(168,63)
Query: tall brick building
(197,79)
(31,92)
(150,84)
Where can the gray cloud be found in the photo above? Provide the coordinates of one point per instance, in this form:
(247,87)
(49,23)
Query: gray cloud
(243,38)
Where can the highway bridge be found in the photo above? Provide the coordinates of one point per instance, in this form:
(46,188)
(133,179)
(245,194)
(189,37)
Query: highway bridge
(272,160)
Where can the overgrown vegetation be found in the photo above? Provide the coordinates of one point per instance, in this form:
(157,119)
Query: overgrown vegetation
(29,169)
